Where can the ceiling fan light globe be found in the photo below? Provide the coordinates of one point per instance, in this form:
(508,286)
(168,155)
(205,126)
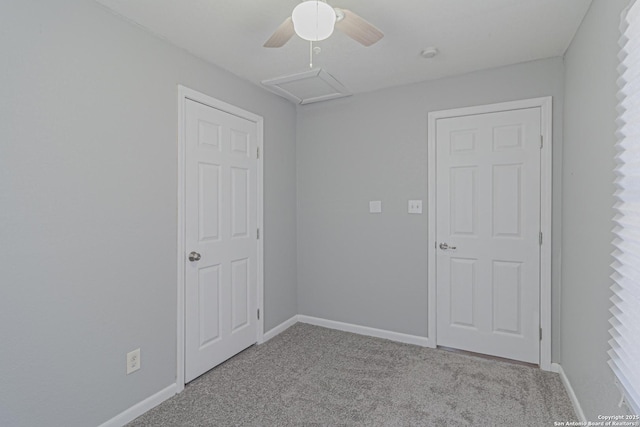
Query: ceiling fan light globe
(313,20)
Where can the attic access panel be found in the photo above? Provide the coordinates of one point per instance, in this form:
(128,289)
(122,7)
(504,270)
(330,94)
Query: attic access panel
(307,87)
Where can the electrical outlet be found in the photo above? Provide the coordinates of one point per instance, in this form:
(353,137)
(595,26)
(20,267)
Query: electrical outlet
(133,361)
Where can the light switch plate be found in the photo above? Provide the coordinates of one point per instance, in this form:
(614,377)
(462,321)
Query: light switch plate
(375,206)
(415,206)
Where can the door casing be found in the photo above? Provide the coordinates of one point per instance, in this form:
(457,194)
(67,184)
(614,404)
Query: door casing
(545,105)
(185,93)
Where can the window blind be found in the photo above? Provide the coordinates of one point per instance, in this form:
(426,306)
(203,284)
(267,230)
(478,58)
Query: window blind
(625,342)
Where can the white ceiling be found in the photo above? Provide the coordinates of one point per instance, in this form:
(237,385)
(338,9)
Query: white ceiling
(470,34)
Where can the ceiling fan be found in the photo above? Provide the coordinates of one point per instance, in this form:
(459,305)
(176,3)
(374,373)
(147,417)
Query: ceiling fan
(314,20)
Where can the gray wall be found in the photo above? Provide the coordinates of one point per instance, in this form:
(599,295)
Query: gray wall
(589,118)
(369,269)
(88,184)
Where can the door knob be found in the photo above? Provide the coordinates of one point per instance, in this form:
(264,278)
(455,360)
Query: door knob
(194,256)
(445,246)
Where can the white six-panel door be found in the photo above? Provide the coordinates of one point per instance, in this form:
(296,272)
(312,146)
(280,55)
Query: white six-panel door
(220,236)
(487,231)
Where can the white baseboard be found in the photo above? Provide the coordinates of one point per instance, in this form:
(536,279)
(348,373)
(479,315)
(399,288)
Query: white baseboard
(140,408)
(280,328)
(365,330)
(556,367)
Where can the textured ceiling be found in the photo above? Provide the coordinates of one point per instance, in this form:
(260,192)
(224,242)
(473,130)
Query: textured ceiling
(470,35)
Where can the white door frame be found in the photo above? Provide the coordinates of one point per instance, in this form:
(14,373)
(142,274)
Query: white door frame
(184,94)
(545,105)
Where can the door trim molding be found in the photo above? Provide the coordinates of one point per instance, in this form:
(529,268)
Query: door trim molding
(545,105)
(184,93)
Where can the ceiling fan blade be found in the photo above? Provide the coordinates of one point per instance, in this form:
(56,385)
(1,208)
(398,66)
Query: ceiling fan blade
(282,35)
(358,29)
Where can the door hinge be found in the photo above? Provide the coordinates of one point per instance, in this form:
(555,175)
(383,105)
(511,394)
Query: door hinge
(540,334)
(258,314)
(541,141)
(540,238)
(258,233)
(258,153)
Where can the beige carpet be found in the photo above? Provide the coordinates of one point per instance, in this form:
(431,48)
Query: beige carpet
(310,375)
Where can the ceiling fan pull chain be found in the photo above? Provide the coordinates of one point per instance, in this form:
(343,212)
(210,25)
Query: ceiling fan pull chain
(310,54)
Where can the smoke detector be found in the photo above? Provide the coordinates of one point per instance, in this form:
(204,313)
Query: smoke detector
(429,52)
